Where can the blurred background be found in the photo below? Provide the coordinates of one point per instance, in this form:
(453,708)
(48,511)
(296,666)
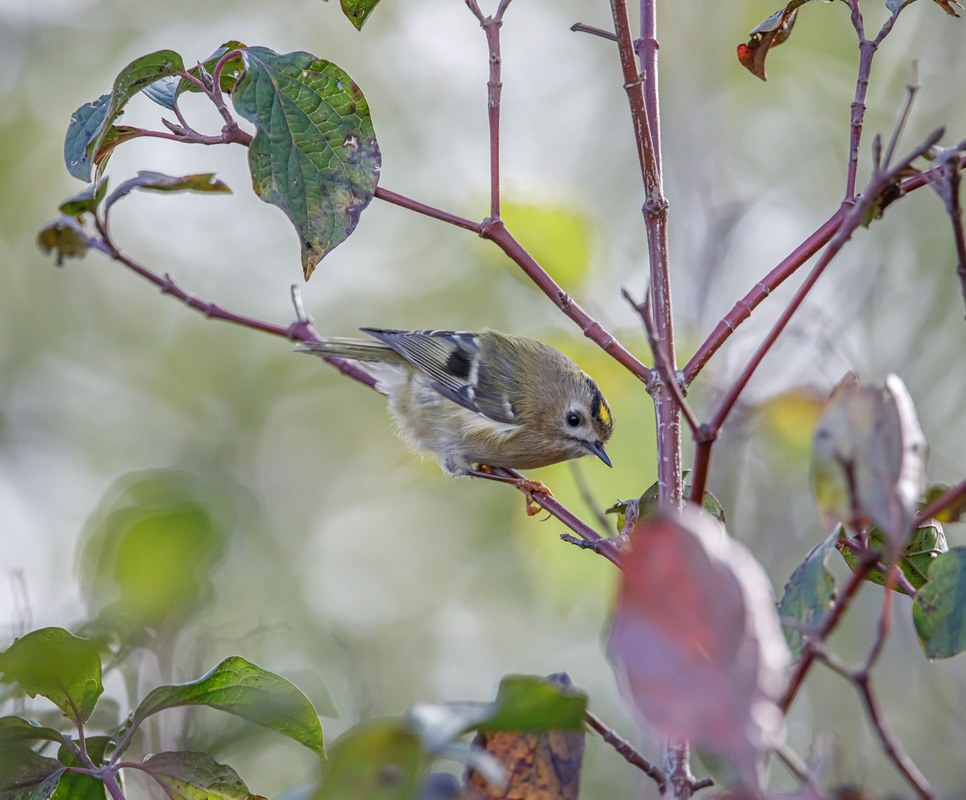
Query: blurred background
(312,542)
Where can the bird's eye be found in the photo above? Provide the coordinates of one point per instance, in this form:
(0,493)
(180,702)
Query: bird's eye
(573,419)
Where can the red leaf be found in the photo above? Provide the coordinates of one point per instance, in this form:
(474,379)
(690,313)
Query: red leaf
(697,642)
(771,33)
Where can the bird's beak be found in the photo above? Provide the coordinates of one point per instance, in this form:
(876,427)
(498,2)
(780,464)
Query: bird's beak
(597,448)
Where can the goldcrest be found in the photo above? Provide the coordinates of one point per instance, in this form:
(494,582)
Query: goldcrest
(481,398)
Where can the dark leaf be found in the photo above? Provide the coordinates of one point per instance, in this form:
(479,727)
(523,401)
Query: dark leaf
(315,154)
(196,776)
(358,11)
(808,596)
(26,775)
(53,663)
(16,729)
(697,643)
(938,609)
(85,122)
(245,690)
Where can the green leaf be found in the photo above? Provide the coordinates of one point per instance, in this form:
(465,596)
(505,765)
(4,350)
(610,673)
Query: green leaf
(157,182)
(952,513)
(927,543)
(76,785)
(647,504)
(358,11)
(529,703)
(65,237)
(315,154)
(84,124)
(138,75)
(523,703)
(377,761)
(61,667)
(26,775)
(196,776)
(938,611)
(85,202)
(149,554)
(229,72)
(245,690)
(13,729)
(808,596)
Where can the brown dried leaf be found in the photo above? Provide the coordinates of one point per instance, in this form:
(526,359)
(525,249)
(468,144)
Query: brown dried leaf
(539,766)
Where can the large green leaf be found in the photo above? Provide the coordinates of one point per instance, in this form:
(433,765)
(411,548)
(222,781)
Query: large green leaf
(196,776)
(245,690)
(315,154)
(938,609)
(61,667)
(808,596)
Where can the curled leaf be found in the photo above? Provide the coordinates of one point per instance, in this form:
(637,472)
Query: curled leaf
(64,237)
(868,458)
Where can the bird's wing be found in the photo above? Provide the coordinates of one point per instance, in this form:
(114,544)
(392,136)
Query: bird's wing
(454,364)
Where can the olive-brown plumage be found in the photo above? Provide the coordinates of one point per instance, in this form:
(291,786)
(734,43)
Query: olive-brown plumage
(481,398)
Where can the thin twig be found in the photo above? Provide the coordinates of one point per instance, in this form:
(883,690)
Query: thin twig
(796,766)
(579,27)
(912,89)
(583,489)
(624,748)
(853,219)
(890,744)
(497,232)
(669,378)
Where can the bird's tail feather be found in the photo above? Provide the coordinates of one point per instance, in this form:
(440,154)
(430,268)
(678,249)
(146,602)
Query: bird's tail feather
(365,350)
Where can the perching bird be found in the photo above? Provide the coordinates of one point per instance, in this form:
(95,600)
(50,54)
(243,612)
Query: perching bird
(481,398)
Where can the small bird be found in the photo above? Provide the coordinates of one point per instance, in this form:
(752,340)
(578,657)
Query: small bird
(485,398)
